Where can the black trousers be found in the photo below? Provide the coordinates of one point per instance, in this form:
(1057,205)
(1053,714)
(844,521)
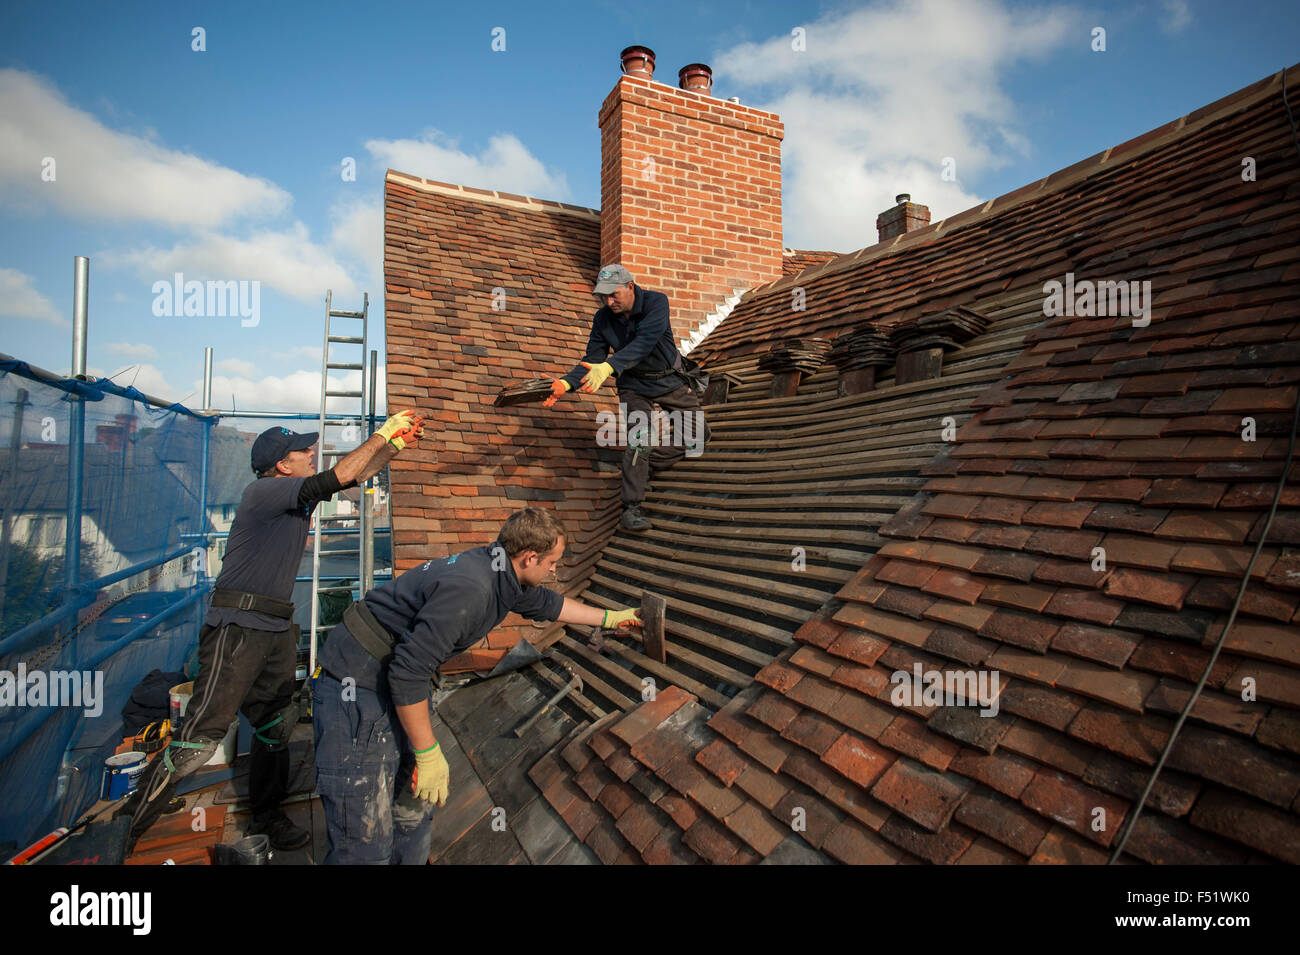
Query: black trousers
(240,670)
(248,671)
(680,430)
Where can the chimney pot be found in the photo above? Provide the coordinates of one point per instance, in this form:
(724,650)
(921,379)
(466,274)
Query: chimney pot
(639,61)
(697,77)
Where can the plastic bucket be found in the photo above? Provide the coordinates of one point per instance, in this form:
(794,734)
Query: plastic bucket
(180,701)
(121,773)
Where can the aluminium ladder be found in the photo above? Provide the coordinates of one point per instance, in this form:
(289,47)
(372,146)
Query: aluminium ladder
(355,429)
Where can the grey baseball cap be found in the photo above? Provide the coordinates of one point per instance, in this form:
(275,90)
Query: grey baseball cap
(610,279)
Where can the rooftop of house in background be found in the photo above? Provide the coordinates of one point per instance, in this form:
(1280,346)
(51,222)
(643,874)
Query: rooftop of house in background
(1067,500)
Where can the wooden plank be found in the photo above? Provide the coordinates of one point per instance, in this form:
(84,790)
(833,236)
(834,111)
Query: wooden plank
(797,517)
(703,561)
(729,597)
(762,631)
(602,666)
(906,486)
(843,502)
(868,542)
(589,679)
(849,469)
(747,582)
(674,626)
(816,544)
(665,672)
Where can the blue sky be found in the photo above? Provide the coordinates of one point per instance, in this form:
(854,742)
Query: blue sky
(225,164)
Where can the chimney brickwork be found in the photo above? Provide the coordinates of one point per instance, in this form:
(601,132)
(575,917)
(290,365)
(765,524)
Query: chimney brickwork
(690,190)
(904,217)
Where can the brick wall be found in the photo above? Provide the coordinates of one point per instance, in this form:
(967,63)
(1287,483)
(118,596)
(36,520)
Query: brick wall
(690,189)
(449,352)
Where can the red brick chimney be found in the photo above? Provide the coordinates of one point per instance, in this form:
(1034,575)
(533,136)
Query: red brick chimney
(690,188)
(904,217)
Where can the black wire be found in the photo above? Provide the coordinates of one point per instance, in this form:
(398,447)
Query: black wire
(1241,591)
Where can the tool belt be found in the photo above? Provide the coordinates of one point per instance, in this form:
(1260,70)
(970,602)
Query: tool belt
(373,637)
(686,368)
(648,375)
(254,603)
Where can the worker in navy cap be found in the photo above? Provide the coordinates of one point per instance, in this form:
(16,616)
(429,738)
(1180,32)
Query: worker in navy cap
(632,340)
(248,646)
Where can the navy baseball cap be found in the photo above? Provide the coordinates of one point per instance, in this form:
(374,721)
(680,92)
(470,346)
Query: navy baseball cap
(274,444)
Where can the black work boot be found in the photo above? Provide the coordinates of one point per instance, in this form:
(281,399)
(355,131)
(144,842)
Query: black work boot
(284,835)
(634,519)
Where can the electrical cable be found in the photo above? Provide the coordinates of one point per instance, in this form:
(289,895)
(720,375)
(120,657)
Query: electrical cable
(1241,591)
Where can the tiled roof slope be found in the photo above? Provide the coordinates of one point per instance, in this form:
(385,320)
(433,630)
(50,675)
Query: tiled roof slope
(794,261)
(450,253)
(752,537)
(1102,435)
(1071,219)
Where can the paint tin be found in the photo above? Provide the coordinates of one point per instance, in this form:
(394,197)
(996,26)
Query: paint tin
(121,773)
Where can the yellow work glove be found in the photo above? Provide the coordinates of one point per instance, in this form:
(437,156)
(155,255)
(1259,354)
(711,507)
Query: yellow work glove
(595,377)
(558,388)
(398,422)
(621,619)
(432,776)
(404,439)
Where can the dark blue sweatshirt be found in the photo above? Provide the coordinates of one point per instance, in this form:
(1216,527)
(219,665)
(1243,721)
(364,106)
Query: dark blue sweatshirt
(641,340)
(435,611)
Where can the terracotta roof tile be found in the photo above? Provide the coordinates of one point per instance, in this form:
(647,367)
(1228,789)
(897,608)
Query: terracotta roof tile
(1095,435)
(1039,703)
(1001,819)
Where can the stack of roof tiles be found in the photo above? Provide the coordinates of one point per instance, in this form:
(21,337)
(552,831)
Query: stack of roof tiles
(947,330)
(795,354)
(1083,537)
(867,347)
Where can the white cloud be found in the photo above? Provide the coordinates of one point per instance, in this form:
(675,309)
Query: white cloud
(505,164)
(19,299)
(357,233)
(881,96)
(297,391)
(104,173)
(1177,16)
(127,350)
(300,351)
(236,366)
(286,260)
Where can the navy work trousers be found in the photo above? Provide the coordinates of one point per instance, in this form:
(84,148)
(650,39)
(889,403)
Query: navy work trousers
(364,765)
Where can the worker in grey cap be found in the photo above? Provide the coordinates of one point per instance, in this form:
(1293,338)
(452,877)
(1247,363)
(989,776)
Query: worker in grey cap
(248,647)
(632,339)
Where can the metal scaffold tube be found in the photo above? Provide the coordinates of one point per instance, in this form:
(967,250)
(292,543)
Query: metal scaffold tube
(77,425)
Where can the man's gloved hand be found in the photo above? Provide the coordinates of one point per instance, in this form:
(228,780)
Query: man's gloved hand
(398,422)
(404,439)
(596,377)
(558,387)
(432,776)
(621,619)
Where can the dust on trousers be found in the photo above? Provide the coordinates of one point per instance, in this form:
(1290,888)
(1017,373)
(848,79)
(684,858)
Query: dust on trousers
(364,766)
(240,670)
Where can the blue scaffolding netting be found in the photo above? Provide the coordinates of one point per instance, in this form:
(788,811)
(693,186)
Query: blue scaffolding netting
(108,502)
